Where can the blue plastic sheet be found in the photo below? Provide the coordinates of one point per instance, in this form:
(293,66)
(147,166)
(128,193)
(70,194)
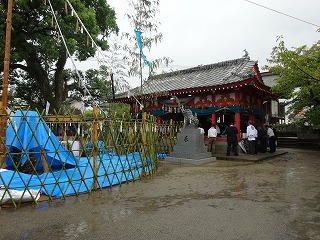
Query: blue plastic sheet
(28,132)
(112,170)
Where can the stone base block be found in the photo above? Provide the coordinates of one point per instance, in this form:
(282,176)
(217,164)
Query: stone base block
(192,155)
(190,161)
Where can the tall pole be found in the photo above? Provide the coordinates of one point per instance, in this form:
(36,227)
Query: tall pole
(6,65)
(6,62)
(139,27)
(112,85)
(140,74)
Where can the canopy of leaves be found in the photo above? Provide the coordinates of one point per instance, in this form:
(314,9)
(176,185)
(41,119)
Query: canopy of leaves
(299,82)
(38,49)
(96,86)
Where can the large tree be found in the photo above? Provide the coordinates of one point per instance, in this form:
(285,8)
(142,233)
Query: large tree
(299,81)
(38,51)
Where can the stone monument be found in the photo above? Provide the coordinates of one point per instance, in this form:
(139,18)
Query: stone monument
(190,146)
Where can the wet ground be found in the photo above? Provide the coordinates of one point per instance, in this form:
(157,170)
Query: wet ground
(274,199)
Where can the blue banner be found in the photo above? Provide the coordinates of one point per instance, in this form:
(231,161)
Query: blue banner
(139,41)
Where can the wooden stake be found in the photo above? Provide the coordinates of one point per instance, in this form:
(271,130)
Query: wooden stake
(171,135)
(44,161)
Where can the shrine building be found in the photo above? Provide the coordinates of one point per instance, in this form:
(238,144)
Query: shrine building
(218,93)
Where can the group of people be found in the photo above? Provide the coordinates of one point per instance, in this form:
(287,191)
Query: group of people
(257,139)
(231,132)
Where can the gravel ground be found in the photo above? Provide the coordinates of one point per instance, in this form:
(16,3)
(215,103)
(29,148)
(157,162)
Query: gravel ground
(275,199)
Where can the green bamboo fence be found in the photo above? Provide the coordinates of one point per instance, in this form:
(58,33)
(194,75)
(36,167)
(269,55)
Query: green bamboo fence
(86,137)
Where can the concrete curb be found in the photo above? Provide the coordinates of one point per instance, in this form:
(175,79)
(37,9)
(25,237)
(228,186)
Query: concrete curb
(190,161)
(251,158)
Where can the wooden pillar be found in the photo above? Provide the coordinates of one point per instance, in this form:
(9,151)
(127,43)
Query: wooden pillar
(237,124)
(214,118)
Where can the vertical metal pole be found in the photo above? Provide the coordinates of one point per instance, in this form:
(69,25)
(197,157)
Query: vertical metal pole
(6,65)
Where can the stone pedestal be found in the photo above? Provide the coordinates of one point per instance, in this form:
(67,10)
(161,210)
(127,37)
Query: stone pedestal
(190,148)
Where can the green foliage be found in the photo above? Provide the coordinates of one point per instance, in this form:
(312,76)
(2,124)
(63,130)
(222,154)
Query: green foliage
(118,109)
(299,82)
(112,110)
(38,54)
(98,83)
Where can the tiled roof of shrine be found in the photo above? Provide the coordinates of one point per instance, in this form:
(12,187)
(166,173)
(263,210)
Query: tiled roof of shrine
(217,74)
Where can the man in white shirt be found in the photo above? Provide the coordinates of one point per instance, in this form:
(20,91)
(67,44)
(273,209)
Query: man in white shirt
(212,135)
(251,135)
(272,139)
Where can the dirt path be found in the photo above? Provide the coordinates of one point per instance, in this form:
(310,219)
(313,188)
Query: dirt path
(275,199)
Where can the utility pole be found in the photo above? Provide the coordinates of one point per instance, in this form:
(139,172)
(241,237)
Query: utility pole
(4,102)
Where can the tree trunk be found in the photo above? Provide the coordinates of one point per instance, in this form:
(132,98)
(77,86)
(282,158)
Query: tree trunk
(37,72)
(59,84)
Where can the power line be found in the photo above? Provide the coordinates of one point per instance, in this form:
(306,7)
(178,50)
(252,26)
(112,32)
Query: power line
(287,15)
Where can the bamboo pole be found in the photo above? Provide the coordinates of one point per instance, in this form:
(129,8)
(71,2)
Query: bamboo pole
(95,146)
(6,65)
(109,138)
(171,135)
(144,142)
(3,136)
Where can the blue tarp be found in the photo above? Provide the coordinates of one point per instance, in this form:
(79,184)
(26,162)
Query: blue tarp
(112,170)
(27,132)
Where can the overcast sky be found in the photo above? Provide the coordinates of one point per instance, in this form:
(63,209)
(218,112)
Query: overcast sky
(208,31)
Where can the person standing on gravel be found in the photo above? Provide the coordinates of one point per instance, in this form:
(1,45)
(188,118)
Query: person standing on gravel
(251,135)
(262,138)
(232,139)
(212,135)
(272,140)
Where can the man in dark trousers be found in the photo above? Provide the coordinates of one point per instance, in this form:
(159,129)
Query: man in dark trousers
(272,140)
(232,139)
(262,138)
